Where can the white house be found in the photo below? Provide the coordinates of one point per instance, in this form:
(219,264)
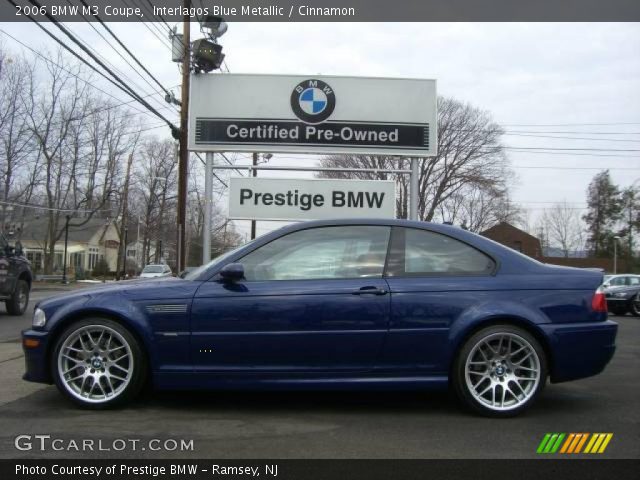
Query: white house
(89,241)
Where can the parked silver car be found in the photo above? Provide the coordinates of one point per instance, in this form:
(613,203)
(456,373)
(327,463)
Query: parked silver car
(151,271)
(622,280)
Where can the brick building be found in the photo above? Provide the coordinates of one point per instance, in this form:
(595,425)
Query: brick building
(513,237)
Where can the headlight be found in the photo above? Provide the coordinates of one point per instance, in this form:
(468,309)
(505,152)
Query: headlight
(620,295)
(39,318)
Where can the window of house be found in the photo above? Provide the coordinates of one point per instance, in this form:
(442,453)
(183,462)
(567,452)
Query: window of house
(93,257)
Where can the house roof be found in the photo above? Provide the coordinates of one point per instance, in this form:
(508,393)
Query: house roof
(35,229)
(507,227)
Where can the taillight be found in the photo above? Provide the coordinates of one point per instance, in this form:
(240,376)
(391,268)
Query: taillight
(599,302)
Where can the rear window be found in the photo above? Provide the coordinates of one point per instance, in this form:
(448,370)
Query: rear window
(421,252)
(153,269)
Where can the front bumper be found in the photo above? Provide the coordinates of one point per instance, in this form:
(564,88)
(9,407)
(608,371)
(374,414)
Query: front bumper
(580,350)
(37,368)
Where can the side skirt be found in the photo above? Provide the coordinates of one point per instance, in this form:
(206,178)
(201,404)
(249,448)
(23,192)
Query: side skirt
(211,381)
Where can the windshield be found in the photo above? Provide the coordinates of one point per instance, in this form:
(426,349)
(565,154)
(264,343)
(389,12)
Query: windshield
(153,269)
(196,272)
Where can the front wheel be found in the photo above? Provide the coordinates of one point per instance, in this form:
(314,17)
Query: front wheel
(499,371)
(17,304)
(97,363)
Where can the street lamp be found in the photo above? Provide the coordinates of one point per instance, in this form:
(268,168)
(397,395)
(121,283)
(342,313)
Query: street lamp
(615,254)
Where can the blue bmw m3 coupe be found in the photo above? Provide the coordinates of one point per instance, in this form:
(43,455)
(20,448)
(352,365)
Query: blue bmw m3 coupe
(344,304)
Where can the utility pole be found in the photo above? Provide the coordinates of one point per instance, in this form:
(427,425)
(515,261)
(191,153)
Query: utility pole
(208,193)
(123,225)
(183,160)
(254,172)
(413,190)
(66,243)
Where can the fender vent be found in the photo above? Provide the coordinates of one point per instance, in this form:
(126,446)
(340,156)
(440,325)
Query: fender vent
(178,308)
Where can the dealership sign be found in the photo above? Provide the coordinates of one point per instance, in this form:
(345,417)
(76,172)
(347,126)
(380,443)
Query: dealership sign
(315,114)
(295,199)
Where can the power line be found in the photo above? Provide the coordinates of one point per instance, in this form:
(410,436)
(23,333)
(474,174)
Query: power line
(145,24)
(214,173)
(126,88)
(116,69)
(567,124)
(126,50)
(573,138)
(570,132)
(87,82)
(159,15)
(577,149)
(51,209)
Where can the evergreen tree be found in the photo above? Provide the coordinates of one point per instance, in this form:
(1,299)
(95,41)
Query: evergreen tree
(604,211)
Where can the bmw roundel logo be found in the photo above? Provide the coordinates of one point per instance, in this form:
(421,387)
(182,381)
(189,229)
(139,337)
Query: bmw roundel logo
(313,101)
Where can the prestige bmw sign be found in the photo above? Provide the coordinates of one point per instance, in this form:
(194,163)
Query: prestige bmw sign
(277,113)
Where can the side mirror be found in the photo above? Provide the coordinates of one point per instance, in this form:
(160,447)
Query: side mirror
(232,272)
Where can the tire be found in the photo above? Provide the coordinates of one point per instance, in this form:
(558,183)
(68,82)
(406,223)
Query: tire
(634,305)
(98,364)
(484,367)
(19,300)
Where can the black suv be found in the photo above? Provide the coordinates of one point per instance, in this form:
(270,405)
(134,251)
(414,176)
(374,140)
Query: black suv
(15,277)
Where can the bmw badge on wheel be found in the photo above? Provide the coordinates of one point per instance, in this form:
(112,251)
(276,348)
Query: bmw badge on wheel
(313,101)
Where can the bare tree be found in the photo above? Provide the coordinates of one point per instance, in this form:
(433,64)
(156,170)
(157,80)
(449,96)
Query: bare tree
(469,154)
(477,208)
(155,195)
(15,135)
(564,227)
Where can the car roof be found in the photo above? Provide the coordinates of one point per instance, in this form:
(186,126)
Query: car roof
(509,260)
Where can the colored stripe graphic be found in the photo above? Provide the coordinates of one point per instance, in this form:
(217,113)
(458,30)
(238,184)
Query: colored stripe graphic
(598,443)
(573,443)
(550,443)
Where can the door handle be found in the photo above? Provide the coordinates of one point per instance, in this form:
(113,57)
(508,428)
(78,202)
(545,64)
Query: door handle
(370,291)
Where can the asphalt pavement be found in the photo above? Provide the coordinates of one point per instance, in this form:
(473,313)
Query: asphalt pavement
(316,425)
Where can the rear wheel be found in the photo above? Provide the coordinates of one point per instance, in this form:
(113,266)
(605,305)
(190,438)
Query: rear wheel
(499,371)
(97,363)
(19,300)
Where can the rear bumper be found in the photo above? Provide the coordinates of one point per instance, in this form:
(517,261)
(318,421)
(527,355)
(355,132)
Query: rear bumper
(36,362)
(580,350)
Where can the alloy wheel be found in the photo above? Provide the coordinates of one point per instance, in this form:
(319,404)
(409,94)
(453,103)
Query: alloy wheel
(502,371)
(95,363)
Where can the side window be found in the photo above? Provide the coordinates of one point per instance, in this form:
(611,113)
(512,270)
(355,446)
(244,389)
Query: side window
(634,281)
(617,282)
(321,253)
(420,252)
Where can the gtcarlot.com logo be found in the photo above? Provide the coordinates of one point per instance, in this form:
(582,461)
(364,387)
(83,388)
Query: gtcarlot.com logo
(574,443)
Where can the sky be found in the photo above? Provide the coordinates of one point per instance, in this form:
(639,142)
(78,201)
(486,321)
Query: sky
(578,80)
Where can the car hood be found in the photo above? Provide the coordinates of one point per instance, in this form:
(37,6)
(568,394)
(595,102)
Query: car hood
(138,289)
